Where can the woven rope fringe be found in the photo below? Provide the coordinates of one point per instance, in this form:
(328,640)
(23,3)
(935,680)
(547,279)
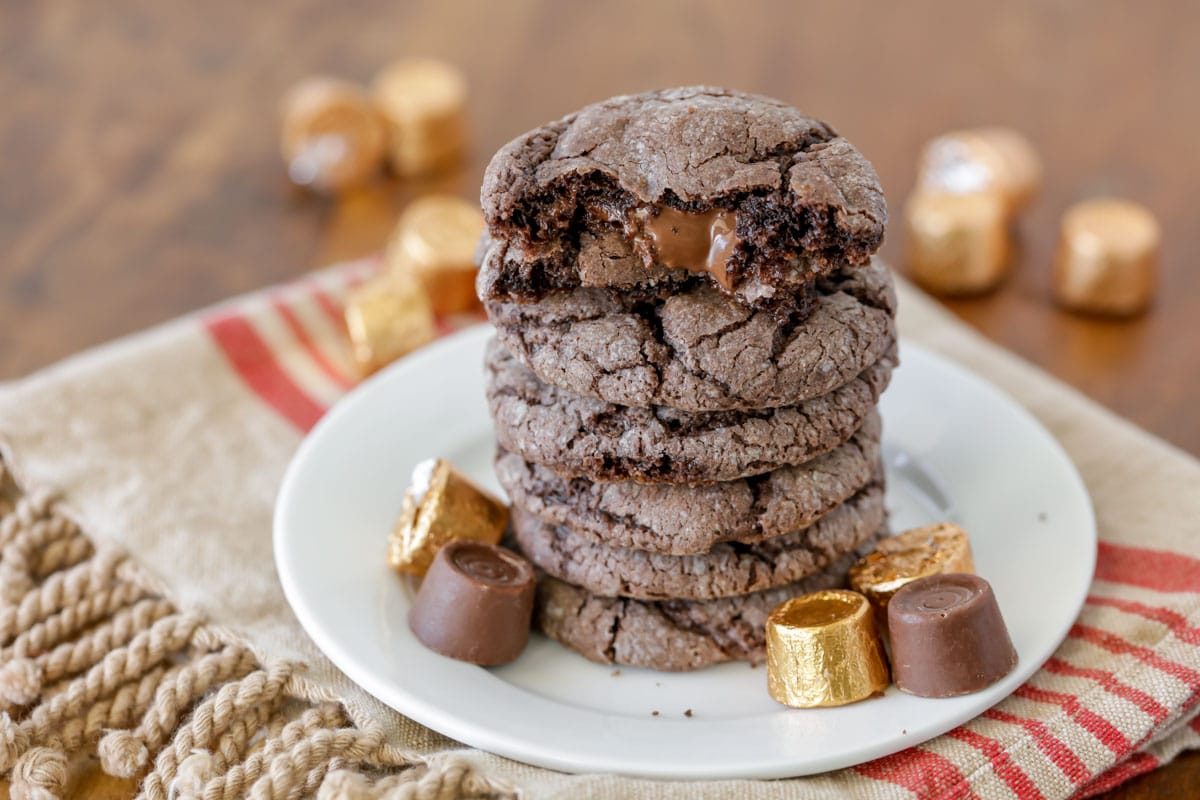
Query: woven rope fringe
(91,662)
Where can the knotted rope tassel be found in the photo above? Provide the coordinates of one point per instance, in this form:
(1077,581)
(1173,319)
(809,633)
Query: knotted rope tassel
(126,753)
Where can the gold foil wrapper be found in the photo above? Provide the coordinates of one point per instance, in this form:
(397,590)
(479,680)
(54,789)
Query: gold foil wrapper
(387,317)
(441,506)
(822,650)
(981,160)
(424,103)
(1107,261)
(435,241)
(957,244)
(332,138)
(916,553)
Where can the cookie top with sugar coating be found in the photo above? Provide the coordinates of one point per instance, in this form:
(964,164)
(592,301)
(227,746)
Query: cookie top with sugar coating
(791,198)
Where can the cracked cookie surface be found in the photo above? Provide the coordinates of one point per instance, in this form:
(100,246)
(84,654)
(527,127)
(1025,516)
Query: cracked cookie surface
(564,198)
(727,569)
(584,437)
(672,635)
(697,351)
(679,519)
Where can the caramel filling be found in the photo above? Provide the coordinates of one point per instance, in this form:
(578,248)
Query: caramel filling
(695,241)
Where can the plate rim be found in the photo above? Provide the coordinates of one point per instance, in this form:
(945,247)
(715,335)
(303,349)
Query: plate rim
(429,714)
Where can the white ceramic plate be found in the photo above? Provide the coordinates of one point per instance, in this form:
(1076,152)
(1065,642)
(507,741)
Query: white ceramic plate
(957,448)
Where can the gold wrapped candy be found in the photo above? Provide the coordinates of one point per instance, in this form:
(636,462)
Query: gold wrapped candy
(822,650)
(332,138)
(435,241)
(981,160)
(1107,261)
(916,553)
(387,317)
(441,505)
(424,103)
(957,244)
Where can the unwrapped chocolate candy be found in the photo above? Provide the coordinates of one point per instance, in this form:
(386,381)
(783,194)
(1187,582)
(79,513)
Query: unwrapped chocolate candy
(435,241)
(822,650)
(1107,260)
(440,506)
(916,553)
(948,637)
(475,604)
(387,317)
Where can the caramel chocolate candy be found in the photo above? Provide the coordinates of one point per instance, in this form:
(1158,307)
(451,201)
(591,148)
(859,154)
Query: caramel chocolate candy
(475,604)
(387,317)
(1107,260)
(694,241)
(948,637)
(981,160)
(822,650)
(424,104)
(440,506)
(957,244)
(332,138)
(435,241)
(916,553)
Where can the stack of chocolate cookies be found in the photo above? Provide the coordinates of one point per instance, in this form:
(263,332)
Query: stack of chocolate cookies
(692,336)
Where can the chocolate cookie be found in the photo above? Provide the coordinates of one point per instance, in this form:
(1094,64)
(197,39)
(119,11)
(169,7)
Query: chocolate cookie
(581,436)
(697,351)
(741,189)
(678,519)
(726,570)
(672,634)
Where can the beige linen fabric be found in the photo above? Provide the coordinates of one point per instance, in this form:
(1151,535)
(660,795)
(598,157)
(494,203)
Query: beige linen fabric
(158,448)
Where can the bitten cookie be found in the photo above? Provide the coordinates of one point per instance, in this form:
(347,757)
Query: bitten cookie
(679,519)
(696,351)
(654,189)
(726,570)
(584,437)
(672,634)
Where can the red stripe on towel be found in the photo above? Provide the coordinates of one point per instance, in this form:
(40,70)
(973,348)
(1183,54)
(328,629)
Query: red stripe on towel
(1116,644)
(254,361)
(1001,762)
(1172,619)
(306,341)
(332,308)
(1150,569)
(1109,682)
(1093,723)
(1062,756)
(921,771)
(1136,764)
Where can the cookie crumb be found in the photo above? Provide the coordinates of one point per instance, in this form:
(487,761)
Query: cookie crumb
(654,713)
(753,665)
(615,673)
(687,713)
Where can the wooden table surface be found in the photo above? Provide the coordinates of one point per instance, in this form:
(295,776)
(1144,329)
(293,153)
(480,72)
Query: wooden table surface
(139,177)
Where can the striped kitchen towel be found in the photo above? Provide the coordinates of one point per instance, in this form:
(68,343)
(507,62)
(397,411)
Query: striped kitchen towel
(141,619)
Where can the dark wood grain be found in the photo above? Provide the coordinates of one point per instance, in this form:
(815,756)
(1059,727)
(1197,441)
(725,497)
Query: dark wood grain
(139,177)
